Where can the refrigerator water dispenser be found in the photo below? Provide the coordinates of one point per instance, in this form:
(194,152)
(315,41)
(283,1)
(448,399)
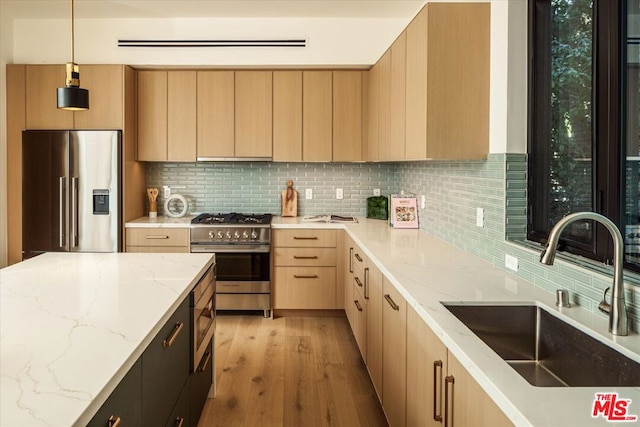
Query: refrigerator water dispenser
(101,202)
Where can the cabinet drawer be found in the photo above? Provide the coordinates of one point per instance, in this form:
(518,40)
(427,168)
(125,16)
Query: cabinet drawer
(359,325)
(158,249)
(157,237)
(166,367)
(325,257)
(305,238)
(304,288)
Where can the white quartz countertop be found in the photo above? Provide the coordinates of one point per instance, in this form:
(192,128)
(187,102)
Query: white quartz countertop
(160,221)
(72,324)
(427,270)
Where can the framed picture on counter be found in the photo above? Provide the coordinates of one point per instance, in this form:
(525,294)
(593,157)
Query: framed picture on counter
(404,211)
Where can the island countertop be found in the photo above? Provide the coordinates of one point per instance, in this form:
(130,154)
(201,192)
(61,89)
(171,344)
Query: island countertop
(73,324)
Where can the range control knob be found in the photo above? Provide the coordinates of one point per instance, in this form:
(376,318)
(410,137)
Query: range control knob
(220,234)
(236,235)
(254,234)
(212,235)
(229,234)
(245,234)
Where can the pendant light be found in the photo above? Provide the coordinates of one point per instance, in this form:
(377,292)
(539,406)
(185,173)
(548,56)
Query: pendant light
(72,96)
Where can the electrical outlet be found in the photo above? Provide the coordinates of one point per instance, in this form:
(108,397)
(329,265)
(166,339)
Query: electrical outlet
(480,217)
(511,262)
(309,194)
(339,193)
(376,191)
(423,201)
(166,191)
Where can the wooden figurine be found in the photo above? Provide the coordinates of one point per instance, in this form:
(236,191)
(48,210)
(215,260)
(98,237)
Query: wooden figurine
(289,200)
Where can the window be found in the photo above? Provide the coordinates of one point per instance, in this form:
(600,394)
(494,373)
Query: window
(584,113)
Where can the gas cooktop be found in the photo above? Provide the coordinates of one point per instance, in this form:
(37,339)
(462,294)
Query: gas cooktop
(232,218)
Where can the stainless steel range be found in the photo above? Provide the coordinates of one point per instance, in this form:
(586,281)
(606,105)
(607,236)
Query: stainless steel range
(242,244)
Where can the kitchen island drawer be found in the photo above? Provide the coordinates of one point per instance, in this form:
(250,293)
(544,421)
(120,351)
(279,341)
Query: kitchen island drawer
(157,236)
(305,238)
(305,288)
(294,257)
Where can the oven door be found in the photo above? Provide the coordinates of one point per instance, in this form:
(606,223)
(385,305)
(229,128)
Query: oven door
(243,272)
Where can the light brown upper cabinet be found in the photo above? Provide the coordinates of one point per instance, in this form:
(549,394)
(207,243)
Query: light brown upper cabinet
(317,116)
(347,116)
(216,114)
(106,97)
(167,115)
(41,104)
(447,82)
(384,106)
(253,124)
(397,123)
(372,96)
(287,116)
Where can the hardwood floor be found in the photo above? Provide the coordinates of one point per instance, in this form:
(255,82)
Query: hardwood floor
(289,371)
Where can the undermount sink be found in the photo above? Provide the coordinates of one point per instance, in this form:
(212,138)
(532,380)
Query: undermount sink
(544,349)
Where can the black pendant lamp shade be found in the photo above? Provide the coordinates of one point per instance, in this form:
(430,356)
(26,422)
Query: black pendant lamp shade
(72,96)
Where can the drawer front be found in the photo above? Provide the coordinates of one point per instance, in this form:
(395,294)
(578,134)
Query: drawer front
(200,383)
(305,257)
(358,260)
(158,249)
(181,416)
(305,238)
(359,324)
(304,288)
(166,367)
(157,237)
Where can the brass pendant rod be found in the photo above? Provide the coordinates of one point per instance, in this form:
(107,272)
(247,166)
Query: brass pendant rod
(73,49)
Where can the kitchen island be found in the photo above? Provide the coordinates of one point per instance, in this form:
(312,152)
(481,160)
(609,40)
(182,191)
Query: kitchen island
(73,324)
(427,271)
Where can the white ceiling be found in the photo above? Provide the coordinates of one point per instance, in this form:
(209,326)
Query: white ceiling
(43,9)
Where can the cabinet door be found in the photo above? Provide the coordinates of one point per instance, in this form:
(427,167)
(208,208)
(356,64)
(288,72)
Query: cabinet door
(416,90)
(397,104)
(426,369)
(152,115)
(166,367)
(347,116)
(317,116)
(106,97)
(468,404)
(349,246)
(371,144)
(181,116)
(216,114)
(394,368)
(253,125)
(41,103)
(384,109)
(373,295)
(287,116)
(124,403)
(200,382)
(359,325)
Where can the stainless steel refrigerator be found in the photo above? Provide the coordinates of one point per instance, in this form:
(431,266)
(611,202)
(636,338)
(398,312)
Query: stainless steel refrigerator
(71,191)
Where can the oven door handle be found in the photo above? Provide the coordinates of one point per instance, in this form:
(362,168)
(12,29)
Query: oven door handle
(196,248)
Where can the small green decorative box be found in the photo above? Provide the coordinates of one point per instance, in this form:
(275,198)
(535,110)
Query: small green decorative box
(378,207)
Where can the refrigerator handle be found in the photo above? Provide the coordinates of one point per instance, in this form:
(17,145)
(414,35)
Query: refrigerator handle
(62,204)
(74,212)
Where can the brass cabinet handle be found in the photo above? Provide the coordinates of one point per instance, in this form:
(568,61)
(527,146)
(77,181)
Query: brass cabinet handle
(448,417)
(350,260)
(366,283)
(357,279)
(304,238)
(113,421)
(174,334)
(358,257)
(301,276)
(358,306)
(152,236)
(74,212)
(391,302)
(205,362)
(61,195)
(437,380)
(305,257)
(179,421)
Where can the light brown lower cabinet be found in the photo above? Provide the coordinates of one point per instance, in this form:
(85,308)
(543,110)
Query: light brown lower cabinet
(373,296)
(440,391)
(394,347)
(157,240)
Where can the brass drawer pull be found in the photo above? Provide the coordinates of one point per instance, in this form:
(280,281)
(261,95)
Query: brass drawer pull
(358,281)
(305,257)
(304,238)
(113,421)
(156,237)
(366,283)
(358,257)
(301,276)
(205,362)
(179,421)
(358,306)
(350,260)
(174,334)
(437,379)
(449,379)
(391,302)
